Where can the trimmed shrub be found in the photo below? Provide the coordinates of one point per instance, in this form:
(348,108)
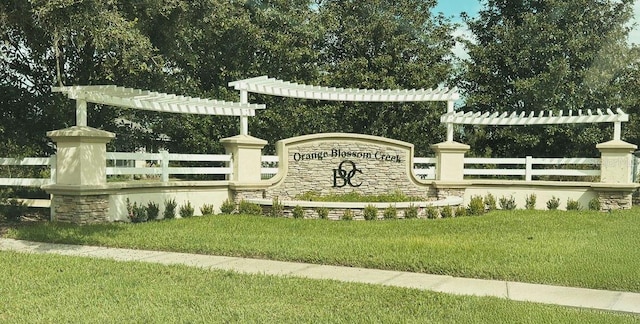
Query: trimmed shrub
(370,212)
(298,212)
(432,212)
(246,207)
(446,212)
(390,213)
(13,210)
(460,211)
(553,203)
(411,212)
(170,206)
(277,209)
(207,209)
(186,210)
(490,202)
(137,214)
(228,207)
(323,212)
(573,204)
(153,210)
(594,204)
(508,203)
(347,215)
(530,202)
(476,206)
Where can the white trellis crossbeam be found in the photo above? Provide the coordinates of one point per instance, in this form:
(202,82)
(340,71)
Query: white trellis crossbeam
(275,87)
(148,100)
(496,118)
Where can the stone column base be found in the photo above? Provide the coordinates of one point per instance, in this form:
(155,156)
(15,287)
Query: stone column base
(615,200)
(85,209)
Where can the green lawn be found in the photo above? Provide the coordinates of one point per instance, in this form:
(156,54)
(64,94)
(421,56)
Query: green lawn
(580,249)
(62,289)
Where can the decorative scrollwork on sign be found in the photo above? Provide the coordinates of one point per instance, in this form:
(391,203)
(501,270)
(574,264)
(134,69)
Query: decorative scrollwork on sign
(345,176)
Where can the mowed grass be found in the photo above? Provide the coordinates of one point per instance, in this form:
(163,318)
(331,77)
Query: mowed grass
(579,249)
(62,289)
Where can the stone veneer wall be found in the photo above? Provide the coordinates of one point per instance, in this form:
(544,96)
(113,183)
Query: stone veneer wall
(337,213)
(81,209)
(311,168)
(450,192)
(241,194)
(615,200)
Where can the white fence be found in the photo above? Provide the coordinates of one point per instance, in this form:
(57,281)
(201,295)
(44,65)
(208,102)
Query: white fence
(526,168)
(160,165)
(10,181)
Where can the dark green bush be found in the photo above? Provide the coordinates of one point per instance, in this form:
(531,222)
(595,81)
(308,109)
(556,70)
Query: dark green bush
(461,211)
(573,204)
(446,212)
(228,207)
(411,212)
(137,214)
(432,212)
(490,202)
(249,208)
(153,210)
(207,209)
(476,206)
(186,210)
(553,203)
(370,212)
(298,212)
(323,212)
(13,209)
(347,215)
(530,202)
(170,206)
(277,209)
(507,203)
(594,204)
(390,213)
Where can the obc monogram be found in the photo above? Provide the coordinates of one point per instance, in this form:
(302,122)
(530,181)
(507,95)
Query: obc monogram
(345,176)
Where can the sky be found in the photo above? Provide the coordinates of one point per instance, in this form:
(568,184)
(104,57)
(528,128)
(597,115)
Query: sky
(471,7)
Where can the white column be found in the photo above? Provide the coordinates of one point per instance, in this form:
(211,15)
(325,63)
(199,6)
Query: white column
(450,125)
(81,112)
(244,120)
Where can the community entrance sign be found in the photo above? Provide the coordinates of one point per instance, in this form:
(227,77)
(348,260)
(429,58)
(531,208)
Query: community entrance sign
(335,163)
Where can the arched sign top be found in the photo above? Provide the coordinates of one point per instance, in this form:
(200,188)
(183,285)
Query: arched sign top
(275,87)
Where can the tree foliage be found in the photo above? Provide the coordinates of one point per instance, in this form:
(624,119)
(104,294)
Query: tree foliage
(548,55)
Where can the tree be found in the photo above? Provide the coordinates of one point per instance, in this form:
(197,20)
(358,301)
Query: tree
(533,55)
(387,44)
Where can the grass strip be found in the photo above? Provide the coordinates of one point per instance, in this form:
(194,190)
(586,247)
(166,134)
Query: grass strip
(63,289)
(580,249)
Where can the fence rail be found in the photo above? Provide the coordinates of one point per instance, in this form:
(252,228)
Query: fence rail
(160,164)
(30,182)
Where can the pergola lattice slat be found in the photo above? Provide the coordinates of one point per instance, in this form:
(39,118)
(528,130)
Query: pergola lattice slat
(275,87)
(477,118)
(162,102)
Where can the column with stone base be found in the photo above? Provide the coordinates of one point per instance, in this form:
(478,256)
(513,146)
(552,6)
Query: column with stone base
(80,193)
(450,168)
(246,159)
(616,179)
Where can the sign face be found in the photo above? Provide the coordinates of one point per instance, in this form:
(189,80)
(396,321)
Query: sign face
(338,163)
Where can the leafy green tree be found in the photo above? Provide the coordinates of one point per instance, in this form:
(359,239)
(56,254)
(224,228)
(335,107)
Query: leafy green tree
(547,55)
(387,44)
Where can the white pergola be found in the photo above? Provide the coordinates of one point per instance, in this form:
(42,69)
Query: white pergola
(496,118)
(148,100)
(275,87)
